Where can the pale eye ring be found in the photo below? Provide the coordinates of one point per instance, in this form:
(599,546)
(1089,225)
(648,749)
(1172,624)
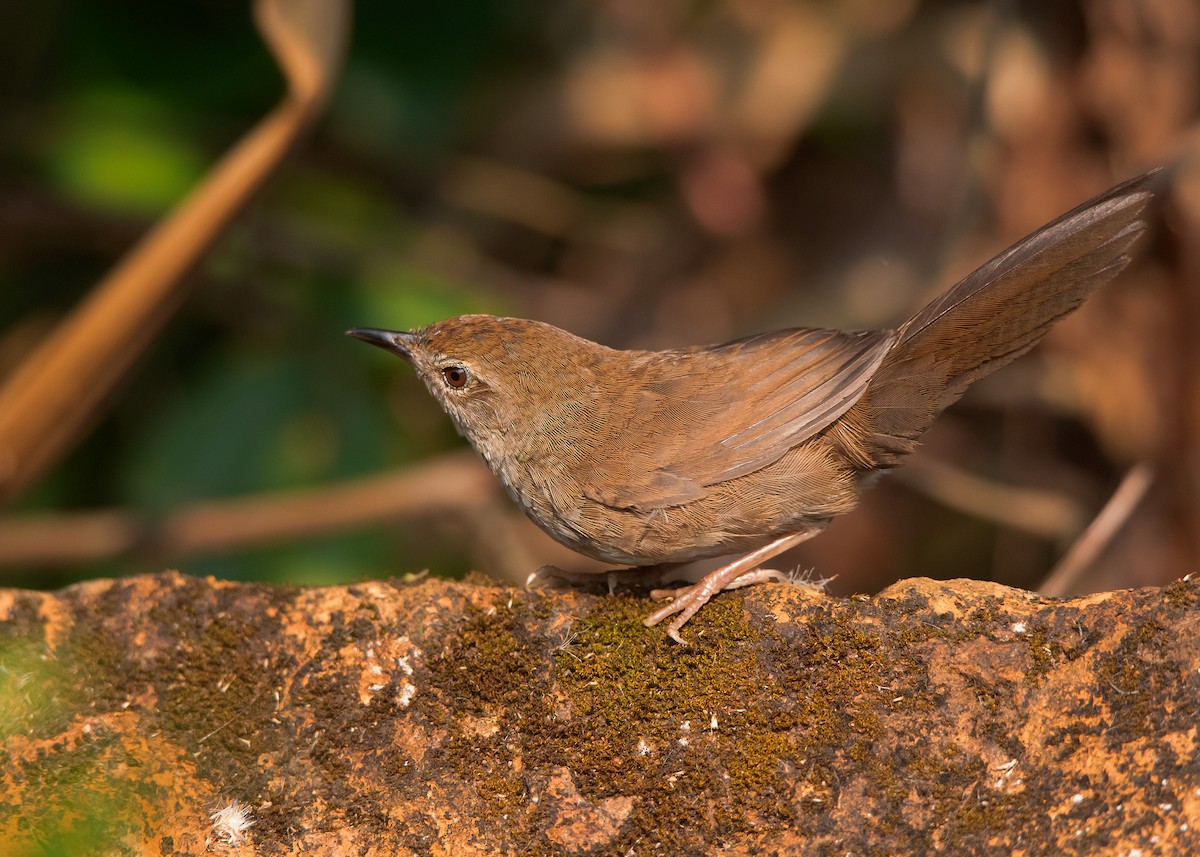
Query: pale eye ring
(455,376)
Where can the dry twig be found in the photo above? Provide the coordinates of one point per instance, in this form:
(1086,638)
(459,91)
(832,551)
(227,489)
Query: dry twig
(56,393)
(457,483)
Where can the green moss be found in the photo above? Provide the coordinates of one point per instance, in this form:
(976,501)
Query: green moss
(976,819)
(38,696)
(1139,683)
(1044,653)
(629,692)
(504,794)
(637,688)
(781,719)
(1127,671)
(1180,594)
(209,661)
(489,669)
(487,664)
(980,620)
(71,802)
(221,680)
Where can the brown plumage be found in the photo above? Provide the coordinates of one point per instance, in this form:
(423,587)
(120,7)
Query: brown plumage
(650,457)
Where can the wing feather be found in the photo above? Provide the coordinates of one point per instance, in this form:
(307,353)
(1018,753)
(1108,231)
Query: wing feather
(728,410)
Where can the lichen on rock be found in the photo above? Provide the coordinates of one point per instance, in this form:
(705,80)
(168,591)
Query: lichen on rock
(471,718)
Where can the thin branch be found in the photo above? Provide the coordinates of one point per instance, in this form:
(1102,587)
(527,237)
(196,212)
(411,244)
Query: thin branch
(1088,547)
(453,483)
(1043,513)
(51,399)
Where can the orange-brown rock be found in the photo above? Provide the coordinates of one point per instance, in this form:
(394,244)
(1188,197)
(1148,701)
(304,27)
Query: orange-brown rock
(464,718)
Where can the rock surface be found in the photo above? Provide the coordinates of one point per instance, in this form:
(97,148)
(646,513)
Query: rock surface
(466,718)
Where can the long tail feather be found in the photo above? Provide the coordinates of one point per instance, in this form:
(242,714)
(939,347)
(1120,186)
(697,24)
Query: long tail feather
(998,313)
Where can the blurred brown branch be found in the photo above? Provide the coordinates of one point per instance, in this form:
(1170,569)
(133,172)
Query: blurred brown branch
(1048,514)
(55,394)
(454,483)
(1065,576)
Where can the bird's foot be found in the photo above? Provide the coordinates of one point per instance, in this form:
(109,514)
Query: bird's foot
(741,572)
(758,575)
(686,600)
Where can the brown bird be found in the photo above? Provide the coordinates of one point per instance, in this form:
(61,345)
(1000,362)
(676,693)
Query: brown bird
(750,447)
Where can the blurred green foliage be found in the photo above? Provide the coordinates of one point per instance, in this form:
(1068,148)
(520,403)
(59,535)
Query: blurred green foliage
(111,112)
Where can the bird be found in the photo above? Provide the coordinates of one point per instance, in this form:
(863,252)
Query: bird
(746,448)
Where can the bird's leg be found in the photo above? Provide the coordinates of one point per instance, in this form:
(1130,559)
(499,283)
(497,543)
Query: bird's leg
(750,578)
(726,577)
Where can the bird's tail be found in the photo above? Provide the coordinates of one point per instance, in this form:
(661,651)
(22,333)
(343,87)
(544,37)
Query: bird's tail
(998,313)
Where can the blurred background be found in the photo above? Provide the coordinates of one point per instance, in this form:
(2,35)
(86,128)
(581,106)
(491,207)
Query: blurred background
(644,174)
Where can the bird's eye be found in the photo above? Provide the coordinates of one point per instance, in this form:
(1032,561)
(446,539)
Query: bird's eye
(455,376)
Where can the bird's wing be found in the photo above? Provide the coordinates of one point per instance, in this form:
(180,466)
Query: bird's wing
(710,415)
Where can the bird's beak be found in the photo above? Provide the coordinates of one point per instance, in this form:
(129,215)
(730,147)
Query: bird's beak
(396,341)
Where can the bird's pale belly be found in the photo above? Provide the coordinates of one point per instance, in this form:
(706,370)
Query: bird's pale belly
(802,490)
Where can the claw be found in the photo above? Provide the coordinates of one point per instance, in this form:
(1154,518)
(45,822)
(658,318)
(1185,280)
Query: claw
(741,572)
